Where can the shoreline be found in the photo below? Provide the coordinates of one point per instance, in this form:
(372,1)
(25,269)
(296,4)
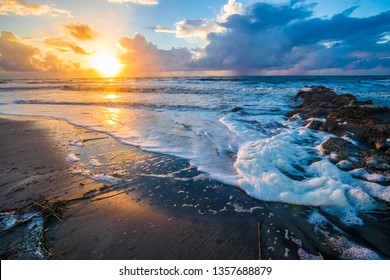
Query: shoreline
(107,222)
(147,215)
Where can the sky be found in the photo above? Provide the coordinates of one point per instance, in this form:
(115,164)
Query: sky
(127,38)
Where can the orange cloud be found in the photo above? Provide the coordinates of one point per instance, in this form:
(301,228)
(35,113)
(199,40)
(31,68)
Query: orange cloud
(81,32)
(64,46)
(20,8)
(52,63)
(17,56)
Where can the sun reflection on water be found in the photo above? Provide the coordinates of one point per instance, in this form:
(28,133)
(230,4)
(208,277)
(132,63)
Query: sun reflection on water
(112,116)
(111,96)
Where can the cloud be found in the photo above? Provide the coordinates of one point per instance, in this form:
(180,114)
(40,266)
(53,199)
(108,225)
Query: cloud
(19,7)
(141,57)
(140,2)
(163,29)
(52,63)
(231,8)
(17,56)
(191,29)
(287,38)
(196,30)
(64,46)
(81,32)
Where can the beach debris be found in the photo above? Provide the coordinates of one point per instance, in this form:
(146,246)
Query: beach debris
(77,143)
(48,209)
(80,142)
(28,226)
(258,240)
(94,139)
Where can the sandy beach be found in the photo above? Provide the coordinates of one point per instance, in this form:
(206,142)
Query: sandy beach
(115,224)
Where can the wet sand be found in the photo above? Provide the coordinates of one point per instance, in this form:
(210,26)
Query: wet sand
(147,215)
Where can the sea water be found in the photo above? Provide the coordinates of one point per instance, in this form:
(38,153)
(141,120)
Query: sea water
(233,129)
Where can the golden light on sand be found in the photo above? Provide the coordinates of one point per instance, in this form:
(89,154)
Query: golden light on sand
(106,63)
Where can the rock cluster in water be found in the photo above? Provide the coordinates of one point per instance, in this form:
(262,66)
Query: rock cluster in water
(362,128)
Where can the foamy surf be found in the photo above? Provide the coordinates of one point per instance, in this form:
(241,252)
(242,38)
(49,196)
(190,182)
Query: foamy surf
(233,130)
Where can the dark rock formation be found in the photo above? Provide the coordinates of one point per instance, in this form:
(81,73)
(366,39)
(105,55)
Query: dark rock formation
(313,124)
(330,125)
(344,116)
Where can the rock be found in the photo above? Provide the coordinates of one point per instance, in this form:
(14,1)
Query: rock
(312,124)
(357,114)
(318,113)
(370,122)
(327,105)
(329,125)
(339,146)
(343,114)
(343,100)
(382,145)
(314,94)
(236,109)
(346,116)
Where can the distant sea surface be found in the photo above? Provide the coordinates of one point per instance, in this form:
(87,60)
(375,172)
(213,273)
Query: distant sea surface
(233,129)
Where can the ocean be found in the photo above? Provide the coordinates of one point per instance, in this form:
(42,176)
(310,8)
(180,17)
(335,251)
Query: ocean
(230,129)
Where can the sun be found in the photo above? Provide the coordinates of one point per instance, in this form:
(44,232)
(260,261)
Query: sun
(106,63)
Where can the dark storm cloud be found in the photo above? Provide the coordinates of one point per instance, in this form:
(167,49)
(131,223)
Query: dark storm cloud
(287,37)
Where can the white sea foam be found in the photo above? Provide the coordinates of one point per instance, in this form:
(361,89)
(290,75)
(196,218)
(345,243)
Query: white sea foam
(315,218)
(296,241)
(359,172)
(106,178)
(352,251)
(374,177)
(307,256)
(347,249)
(9,220)
(94,162)
(239,209)
(376,190)
(72,158)
(267,166)
(307,89)
(344,164)
(81,171)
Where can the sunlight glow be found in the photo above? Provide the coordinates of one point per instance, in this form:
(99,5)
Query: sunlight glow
(106,63)
(112,96)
